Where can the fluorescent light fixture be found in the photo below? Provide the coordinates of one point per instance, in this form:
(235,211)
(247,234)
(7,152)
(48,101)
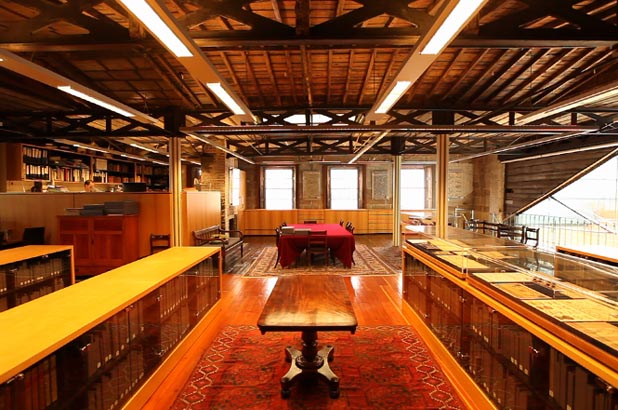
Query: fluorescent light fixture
(398,90)
(451,25)
(97,149)
(67,89)
(157,27)
(227,99)
(589,97)
(142,147)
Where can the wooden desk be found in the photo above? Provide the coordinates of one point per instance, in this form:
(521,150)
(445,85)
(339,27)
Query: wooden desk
(309,304)
(340,242)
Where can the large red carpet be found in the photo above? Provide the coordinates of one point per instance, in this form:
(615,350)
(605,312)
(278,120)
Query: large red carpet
(242,369)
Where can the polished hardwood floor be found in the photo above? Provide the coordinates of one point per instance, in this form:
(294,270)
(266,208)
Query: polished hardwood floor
(376,301)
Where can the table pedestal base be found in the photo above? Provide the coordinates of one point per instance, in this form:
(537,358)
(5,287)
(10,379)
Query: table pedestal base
(310,360)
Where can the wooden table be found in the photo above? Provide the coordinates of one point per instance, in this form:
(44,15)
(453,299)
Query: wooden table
(309,304)
(340,242)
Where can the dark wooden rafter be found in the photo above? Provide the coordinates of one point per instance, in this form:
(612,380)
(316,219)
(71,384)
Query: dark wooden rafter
(291,77)
(348,78)
(524,65)
(498,69)
(526,87)
(170,78)
(369,73)
(443,77)
(273,80)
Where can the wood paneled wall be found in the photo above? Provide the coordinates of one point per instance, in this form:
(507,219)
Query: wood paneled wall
(263,222)
(525,181)
(200,209)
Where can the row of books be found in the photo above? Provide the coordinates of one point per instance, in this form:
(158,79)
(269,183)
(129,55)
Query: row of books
(34,155)
(103,367)
(499,380)
(9,300)
(33,389)
(515,368)
(33,271)
(575,388)
(115,387)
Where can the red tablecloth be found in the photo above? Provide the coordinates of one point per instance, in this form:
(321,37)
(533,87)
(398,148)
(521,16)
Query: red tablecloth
(340,241)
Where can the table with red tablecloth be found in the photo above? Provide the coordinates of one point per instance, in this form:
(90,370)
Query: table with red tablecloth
(340,241)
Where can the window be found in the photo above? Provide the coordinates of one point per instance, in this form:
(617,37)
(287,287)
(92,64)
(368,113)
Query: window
(279,188)
(343,188)
(412,188)
(235,194)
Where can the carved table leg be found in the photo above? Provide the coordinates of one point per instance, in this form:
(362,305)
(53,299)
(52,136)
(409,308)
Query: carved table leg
(310,360)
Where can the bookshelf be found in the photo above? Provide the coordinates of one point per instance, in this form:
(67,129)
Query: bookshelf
(33,271)
(138,315)
(532,329)
(26,162)
(62,164)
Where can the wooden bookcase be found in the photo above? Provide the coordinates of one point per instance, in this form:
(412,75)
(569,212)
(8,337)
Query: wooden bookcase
(29,272)
(100,243)
(26,162)
(137,316)
(31,162)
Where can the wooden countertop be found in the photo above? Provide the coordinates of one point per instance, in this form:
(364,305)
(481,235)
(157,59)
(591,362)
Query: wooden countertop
(30,251)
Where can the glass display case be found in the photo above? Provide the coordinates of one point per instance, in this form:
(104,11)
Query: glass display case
(533,329)
(29,272)
(99,357)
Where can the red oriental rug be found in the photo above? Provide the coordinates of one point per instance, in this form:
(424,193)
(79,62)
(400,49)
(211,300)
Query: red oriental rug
(380,367)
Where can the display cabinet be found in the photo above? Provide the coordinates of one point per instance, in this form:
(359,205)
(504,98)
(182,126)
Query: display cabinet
(94,344)
(533,329)
(32,271)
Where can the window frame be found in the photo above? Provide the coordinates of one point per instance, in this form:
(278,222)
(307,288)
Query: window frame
(359,186)
(263,172)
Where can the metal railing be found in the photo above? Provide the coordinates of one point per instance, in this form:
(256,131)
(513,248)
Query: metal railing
(556,230)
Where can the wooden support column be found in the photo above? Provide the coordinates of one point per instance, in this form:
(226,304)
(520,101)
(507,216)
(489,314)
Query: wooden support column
(442,168)
(442,142)
(176,187)
(396,200)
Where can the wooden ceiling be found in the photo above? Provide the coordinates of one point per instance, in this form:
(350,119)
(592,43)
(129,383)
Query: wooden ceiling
(316,59)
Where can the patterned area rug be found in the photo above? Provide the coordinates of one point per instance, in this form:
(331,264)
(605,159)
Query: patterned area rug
(367,262)
(242,369)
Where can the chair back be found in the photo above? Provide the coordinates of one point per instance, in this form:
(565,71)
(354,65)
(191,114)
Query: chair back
(159,242)
(531,235)
(34,236)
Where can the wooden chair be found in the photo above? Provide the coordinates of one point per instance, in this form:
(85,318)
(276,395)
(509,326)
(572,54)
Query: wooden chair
(277,237)
(515,233)
(159,242)
(531,234)
(341,222)
(317,244)
(349,227)
(34,236)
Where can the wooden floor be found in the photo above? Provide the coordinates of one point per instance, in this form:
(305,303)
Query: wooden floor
(376,301)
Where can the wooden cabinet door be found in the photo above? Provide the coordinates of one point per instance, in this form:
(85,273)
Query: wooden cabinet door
(76,231)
